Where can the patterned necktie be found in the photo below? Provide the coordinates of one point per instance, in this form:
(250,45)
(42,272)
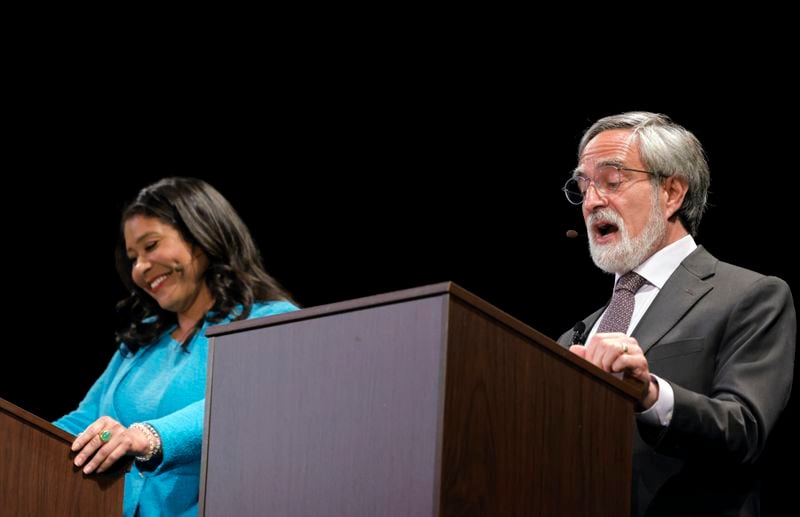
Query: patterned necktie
(619,312)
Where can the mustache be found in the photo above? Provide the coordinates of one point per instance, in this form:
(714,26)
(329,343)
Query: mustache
(605,214)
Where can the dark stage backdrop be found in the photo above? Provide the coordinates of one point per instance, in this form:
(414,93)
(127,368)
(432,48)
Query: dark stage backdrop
(353,196)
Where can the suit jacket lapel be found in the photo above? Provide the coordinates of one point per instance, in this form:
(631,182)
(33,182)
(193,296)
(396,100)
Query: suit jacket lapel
(566,339)
(684,288)
(591,320)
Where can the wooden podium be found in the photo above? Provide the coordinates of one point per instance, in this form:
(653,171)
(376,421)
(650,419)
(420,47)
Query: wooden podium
(37,477)
(425,402)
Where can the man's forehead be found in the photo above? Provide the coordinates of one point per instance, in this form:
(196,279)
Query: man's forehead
(611,147)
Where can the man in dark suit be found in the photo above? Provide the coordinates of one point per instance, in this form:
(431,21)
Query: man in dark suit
(714,343)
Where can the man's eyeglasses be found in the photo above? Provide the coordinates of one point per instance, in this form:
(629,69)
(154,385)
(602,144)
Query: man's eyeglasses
(608,179)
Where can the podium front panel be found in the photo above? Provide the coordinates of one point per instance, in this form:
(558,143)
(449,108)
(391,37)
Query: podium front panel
(307,418)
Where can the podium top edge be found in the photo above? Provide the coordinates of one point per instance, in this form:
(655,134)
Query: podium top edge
(344,306)
(36,421)
(428,291)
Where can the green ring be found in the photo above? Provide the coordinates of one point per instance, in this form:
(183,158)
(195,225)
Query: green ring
(105,436)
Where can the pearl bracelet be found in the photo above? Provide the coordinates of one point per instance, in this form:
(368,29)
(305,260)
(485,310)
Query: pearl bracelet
(153,440)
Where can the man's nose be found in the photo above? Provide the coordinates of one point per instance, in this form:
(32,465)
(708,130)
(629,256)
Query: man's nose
(593,198)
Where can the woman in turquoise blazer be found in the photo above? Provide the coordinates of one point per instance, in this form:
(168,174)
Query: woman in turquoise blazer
(189,263)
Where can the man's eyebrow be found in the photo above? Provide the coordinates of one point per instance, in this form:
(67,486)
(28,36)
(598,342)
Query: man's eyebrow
(602,163)
(611,161)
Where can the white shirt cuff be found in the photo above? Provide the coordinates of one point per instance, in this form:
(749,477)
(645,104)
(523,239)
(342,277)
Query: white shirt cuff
(660,413)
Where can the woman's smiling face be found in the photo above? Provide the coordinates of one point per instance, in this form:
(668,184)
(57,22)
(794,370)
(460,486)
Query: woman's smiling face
(165,266)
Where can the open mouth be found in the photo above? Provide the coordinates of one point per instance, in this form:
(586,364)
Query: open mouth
(604,229)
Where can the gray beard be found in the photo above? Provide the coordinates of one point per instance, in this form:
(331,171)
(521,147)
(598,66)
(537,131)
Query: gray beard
(628,252)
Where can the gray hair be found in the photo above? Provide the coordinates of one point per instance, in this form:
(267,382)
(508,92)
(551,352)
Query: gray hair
(667,149)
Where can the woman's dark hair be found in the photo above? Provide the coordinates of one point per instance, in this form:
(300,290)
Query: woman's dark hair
(204,219)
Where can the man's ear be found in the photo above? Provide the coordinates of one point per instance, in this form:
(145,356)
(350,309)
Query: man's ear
(675,189)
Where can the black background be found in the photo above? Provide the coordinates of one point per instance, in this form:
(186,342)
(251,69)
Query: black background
(354,183)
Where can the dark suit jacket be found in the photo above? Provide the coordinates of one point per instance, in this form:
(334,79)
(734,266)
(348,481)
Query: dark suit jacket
(724,338)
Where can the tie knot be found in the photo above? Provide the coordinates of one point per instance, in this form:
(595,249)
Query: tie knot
(630,281)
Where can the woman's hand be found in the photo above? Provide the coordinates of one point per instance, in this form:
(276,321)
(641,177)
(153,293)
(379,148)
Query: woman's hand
(102,454)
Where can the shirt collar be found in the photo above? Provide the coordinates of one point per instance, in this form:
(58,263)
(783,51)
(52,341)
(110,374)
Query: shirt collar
(661,264)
